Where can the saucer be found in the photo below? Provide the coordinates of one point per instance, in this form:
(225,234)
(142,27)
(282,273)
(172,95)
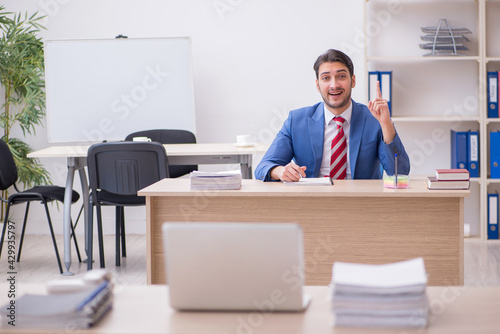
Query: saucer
(243,145)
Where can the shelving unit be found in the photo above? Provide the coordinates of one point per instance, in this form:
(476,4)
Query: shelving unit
(491,63)
(434,119)
(432,95)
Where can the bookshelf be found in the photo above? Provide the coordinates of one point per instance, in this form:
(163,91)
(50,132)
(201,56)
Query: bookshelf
(432,95)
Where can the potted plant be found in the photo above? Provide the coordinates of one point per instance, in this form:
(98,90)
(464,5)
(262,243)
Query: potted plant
(22,78)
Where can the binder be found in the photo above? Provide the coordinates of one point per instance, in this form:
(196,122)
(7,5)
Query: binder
(495,155)
(459,150)
(492,216)
(493,94)
(373,77)
(473,153)
(385,79)
(386,87)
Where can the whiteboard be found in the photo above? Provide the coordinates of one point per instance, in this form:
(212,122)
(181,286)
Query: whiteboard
(105,89)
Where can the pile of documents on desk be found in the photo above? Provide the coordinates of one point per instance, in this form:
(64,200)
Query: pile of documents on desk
(226,180)
(81,307)
(388,295)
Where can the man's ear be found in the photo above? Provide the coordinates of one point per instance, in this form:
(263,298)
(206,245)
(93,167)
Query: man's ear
(317,85)
(353,83)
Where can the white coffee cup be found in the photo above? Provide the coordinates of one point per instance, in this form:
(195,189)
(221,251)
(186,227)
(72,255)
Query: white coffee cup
(141,139)
(244,140)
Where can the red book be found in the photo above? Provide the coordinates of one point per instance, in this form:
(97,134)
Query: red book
(452,174)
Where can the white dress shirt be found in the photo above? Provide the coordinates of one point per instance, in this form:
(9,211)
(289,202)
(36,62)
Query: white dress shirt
(330,127)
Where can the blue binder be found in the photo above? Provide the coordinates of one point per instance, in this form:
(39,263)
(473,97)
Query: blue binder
(386,87)
(473,153)
(495,155)
(373,77)
(385,79)
(459,150)
(492,94)
(492,216)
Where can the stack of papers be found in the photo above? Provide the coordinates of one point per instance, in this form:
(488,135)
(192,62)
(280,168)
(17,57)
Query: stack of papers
(389,295)
(66,310)
(226,180)
(311,181)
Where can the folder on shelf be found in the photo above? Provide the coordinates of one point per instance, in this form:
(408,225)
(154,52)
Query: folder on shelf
(473,153)
(495,155)
(385,79)
(459,150)
(492,216)
(373,77)
(386,87)
(492,94)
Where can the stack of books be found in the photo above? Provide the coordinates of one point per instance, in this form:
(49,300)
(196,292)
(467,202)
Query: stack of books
(449,179)
(386,296)
(72,310)
(226,180)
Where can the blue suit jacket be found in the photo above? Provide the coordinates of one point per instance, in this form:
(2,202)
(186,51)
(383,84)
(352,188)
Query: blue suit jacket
(301,139)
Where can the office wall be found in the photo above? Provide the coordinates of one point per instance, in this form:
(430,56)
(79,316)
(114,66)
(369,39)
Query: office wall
(252,60)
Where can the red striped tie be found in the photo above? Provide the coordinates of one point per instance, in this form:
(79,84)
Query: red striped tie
(338,161)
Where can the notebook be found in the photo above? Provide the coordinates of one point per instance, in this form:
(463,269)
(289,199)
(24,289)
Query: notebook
(235,266)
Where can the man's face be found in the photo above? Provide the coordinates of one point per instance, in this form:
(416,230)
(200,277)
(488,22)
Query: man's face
(334,84)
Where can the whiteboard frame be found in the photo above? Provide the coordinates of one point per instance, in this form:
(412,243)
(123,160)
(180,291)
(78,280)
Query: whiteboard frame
(147,85)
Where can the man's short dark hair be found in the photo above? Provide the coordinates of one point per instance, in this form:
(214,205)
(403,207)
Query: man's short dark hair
(332,56)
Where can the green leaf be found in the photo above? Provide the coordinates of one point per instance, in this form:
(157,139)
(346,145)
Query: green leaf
(31,172)
(22,77)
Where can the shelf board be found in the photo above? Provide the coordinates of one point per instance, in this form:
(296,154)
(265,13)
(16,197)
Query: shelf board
(492,181)
(423,177)
(434,1)
(488,59)
(422,58)
(472,238)
(492,120)
(435,118)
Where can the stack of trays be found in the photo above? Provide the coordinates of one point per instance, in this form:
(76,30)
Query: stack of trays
(443,40)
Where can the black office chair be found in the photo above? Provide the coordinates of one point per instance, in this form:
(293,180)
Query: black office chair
(117,171)
(44,194)
(170,136)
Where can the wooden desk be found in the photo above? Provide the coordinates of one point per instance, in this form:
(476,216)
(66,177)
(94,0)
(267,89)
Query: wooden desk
(352,221)
(146,310)
(178,154)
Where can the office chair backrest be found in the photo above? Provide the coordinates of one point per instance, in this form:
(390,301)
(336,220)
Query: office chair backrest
(8,168)
(126,167)
(165,136)
(169,136)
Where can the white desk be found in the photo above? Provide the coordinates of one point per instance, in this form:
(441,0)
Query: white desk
(178,154)
(145,309)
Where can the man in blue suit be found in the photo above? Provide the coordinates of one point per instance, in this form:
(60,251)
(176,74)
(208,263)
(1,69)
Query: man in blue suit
(303,146)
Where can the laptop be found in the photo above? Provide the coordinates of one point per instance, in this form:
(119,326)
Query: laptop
(235,266)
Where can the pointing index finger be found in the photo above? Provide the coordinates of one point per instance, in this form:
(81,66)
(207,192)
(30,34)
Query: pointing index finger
(379,93)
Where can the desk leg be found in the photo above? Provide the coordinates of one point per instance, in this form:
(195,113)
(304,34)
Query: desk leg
(246,166)
(67,216)
(85,194)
